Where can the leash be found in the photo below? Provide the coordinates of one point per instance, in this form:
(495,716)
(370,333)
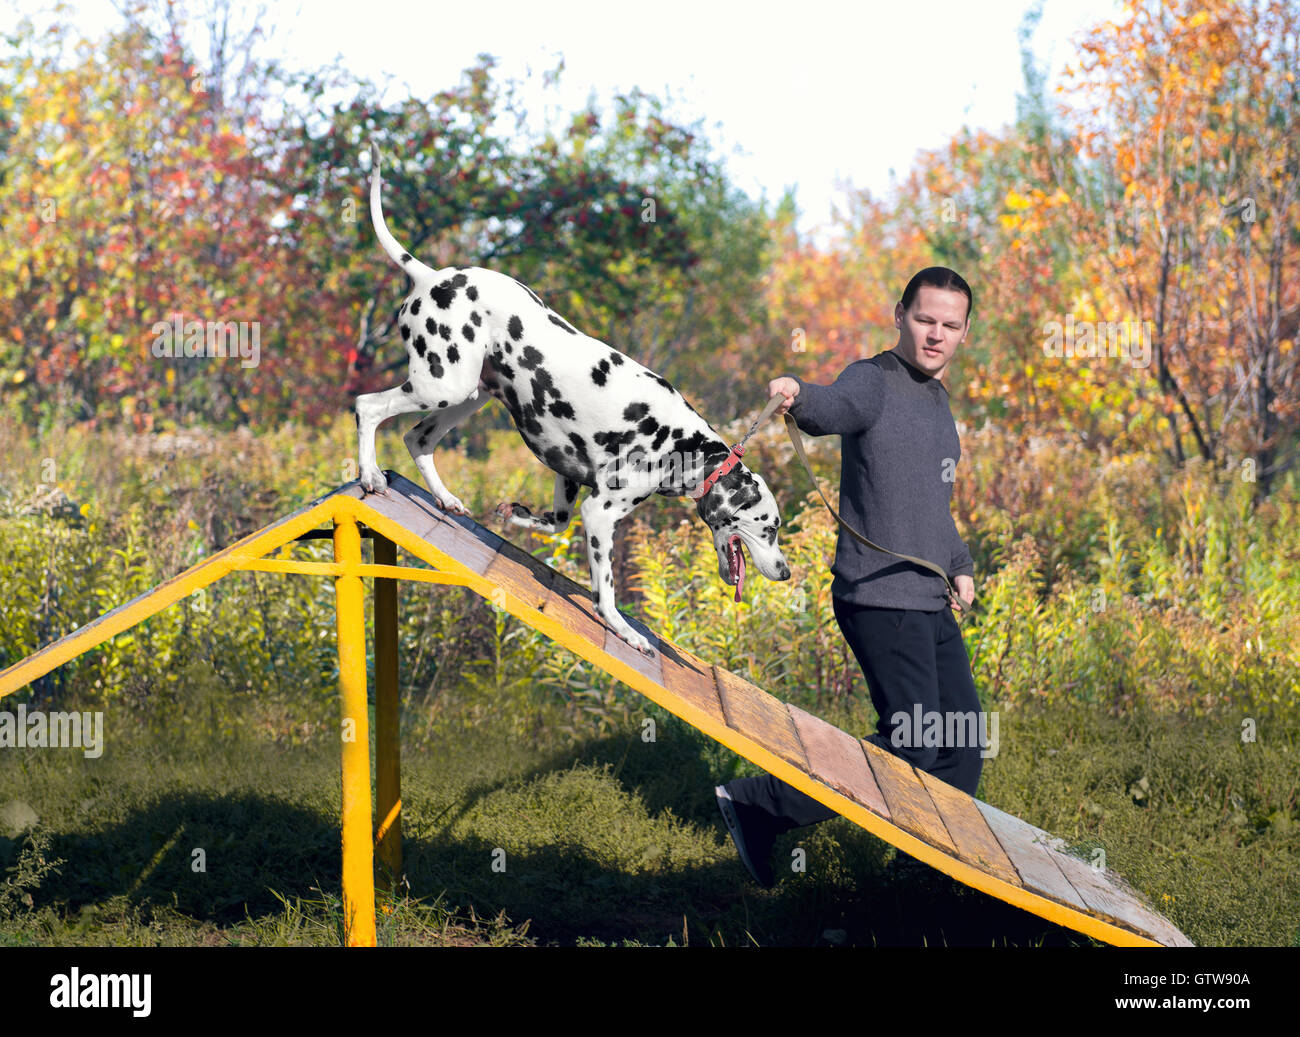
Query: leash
(793,430)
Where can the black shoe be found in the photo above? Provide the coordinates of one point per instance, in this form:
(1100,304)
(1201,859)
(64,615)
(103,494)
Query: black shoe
(753,835)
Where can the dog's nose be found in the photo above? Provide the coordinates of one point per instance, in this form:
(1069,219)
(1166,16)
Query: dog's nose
(783,573)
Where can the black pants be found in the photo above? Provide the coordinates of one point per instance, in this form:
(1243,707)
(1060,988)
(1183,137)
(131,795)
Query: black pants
(909,658)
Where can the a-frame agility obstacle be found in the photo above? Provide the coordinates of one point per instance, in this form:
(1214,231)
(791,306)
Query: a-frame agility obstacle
(973,842)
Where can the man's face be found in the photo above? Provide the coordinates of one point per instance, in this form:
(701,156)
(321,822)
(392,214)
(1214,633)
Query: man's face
(931,328)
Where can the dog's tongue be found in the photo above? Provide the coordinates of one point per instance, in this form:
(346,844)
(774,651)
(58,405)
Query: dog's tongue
(736,562)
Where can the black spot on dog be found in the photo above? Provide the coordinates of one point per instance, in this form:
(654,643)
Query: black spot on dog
(406,332)
(442,403)
(635,411)
(406,257)
(560,322)
(595,541)
(445,331)
(660,436)
(648,426)
(613,442)
(443,294)
(532,294)
(507,372)
(600,372)
(512,402)
(460,280)
(616,358)
(406,387)
(661,380)
(472,292)
(530,358)
(474,318)
(560,409)
(431,326)
(435,364)
(580,445)
(420,345)
(554,457)
(715,453)
(415,307)
(468,332)
(516,327)
(542,386)
(453,355)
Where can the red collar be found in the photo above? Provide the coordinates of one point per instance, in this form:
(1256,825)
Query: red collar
(733,459)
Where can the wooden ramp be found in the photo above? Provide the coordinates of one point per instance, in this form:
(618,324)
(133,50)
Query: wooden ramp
(973,842)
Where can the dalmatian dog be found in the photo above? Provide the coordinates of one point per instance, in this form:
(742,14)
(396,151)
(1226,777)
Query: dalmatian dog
(592,415)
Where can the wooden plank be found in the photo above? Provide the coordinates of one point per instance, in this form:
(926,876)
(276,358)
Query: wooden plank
(455,535)
(572,606)
(689,677)
(543,575)
(474,548)
(516,578)
(646,665)
(405,512)
(1158,927)
(1027,849)
(760,716)
(1101,897)
(1150,919)
(910,806)
(835,758)
(976,844)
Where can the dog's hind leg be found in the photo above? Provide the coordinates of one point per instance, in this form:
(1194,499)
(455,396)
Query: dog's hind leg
(372,410)
(423,437)
(553,521)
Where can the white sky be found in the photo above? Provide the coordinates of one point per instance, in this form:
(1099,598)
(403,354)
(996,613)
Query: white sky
(814,93)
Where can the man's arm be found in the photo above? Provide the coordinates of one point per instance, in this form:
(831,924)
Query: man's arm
(850,404)
(962,568)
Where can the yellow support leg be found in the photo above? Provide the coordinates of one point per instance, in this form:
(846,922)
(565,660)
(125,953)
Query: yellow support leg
(358,845)
(388,748)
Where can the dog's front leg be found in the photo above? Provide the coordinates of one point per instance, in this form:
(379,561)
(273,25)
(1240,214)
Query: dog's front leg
(601,512)
(373,409)
(553,521)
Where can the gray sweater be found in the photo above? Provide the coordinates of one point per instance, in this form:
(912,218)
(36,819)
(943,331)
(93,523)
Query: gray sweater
(899,454)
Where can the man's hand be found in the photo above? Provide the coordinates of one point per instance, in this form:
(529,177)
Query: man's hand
(786,387)
(966,589)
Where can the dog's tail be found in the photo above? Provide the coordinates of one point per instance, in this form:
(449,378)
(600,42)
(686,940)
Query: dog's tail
(413,267)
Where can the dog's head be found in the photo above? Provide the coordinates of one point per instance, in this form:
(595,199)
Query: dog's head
(740,504)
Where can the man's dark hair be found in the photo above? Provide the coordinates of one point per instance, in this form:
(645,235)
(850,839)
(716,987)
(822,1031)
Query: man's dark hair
(938,277)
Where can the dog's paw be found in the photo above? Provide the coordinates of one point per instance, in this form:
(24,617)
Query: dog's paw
(453,504)
(373,481)
(636,640)
(519,514)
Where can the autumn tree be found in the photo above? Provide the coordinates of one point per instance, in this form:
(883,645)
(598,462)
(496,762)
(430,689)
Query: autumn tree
(1190,217)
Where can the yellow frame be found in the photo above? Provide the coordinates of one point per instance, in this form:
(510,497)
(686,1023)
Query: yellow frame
(359,837)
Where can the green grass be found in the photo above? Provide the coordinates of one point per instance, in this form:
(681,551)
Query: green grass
(616,841)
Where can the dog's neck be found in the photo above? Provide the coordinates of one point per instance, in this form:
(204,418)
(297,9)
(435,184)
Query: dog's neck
(713,507)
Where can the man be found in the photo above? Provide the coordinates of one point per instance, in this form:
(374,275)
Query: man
(899,450)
